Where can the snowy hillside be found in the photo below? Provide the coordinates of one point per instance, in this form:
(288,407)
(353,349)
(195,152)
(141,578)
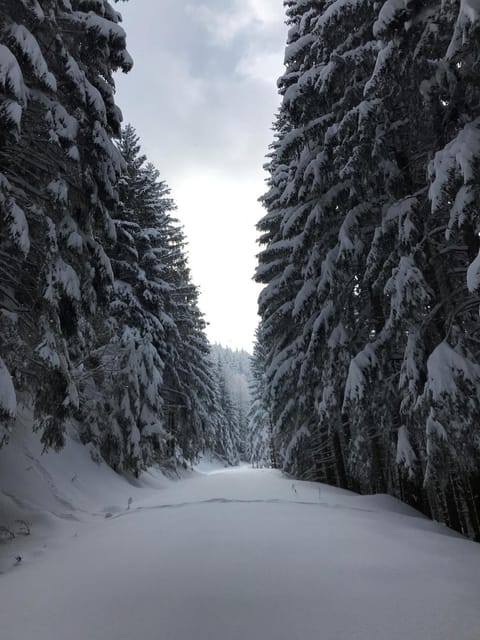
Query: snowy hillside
(231,554)
(56,493)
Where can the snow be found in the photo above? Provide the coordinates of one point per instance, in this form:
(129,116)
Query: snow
(405,453)
(11,77)
(382,61)
(12,113)
(294,49)
(348,230)
(308,290)
(471,8)
(459,155)
(434,428)
(107,29)
(96,101)
(104,262)
(58,189)
(303,432)
(18,227)
(62,276)
(388,14)
(357,379)
(338,337)
(234,554)
(35,8)
(31,50)
(69,230)
(473,275)
(8,399)
(406,288)
(445,367)
(468,15)
(63,125)
(337,10)
(47,350)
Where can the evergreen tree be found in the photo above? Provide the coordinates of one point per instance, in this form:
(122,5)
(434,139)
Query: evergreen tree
(260,452)
(227,433)
(370,310)
(234,374)
(189,380)
(58,181)
(433,232)
(156,399)
(316,231)
(99,318)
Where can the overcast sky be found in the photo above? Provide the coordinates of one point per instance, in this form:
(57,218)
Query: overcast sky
(202,96)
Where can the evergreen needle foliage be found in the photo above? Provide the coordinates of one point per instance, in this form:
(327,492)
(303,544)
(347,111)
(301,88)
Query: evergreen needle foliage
(100,328)
(369,314)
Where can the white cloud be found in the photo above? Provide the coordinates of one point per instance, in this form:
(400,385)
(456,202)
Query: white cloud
(269,11)
(202,96)
(223,26)
(260,66)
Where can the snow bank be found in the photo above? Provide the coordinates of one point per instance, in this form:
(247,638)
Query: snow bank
(57,494)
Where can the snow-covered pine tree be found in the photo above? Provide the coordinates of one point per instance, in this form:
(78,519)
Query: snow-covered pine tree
(316,229)
(259,430)
(189,384)
(58,176)
(228,429)
(431,226)
(168,408)
(234,371)
(124,417)
(157,397)
(378,353)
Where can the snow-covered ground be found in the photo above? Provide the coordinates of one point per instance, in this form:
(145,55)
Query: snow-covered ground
(221,555)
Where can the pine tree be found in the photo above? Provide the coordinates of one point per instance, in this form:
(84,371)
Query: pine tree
(234,373)
(58,181)
(322,221)
(370,310)
(260,452)
(227,432)
(155,400)
(435,241)
(189,384)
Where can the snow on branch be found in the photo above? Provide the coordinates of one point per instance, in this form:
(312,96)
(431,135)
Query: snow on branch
(30,48)
(459,155)
(385,54)
(107,28)
(35,8)
(337,10)
(388,15)
(468,15)
(15,217)
(407,289)
(473,275)
(445,368)
(11,78)
(62,278)
(405,453)
(8,398)
(357,374)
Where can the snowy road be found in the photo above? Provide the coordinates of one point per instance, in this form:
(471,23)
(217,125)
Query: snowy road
(245,554)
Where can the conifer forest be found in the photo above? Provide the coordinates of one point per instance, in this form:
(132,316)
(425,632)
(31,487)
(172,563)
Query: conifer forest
(368,347)
(365,371)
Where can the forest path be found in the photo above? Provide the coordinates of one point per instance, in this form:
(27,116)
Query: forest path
(243,554)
